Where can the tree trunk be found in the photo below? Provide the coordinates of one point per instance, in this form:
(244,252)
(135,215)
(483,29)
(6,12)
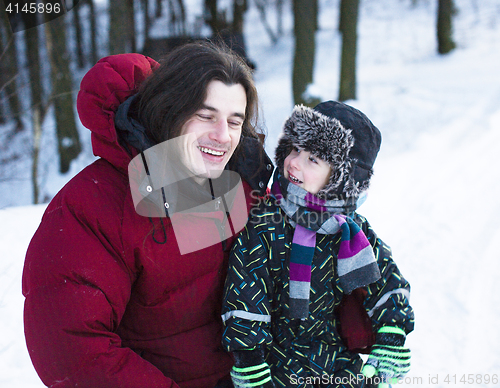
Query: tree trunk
(182,12)
(119,42)
(213,18)
(80,56)
(305,24)
(147,19)
(261,6)
(131,29)
(239,9)
(159,8)
(444,26)
(349,25)
(343,5)
(62,93)
(279,15)
(316,10)
(9,72)
(37,137)
(33,58)
(94,51)
(3,112)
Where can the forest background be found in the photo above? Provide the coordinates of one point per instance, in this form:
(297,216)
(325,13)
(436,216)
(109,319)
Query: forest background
(43,58)
(434,195)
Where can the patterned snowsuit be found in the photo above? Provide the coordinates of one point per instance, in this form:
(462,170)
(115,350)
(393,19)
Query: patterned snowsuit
(256,311)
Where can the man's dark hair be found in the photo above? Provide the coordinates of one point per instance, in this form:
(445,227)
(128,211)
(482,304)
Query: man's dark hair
(177,89)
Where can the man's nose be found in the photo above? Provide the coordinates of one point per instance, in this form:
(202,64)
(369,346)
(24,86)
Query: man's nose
(220,132)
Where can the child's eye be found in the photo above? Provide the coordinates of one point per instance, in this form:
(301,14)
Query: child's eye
(312,159)
(296,149)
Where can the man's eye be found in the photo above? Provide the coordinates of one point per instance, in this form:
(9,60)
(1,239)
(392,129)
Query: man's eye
(204,117)
(235,123)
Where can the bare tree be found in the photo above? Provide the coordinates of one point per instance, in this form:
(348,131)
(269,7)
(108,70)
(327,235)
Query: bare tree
(158,8)
(32,42)
(62,93)
(77,24)
(305,25)
(9,73)
(121,27)
(262,7)
(279,14)
(348,25)
(131,25)
(225,20)
(446,9)
(94,54)
(147,18)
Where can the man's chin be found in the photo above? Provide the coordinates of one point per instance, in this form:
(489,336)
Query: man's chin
(214,170)
(208,174)
(214,174)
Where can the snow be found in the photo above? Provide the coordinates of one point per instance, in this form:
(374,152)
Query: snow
(17,225)
(434,195)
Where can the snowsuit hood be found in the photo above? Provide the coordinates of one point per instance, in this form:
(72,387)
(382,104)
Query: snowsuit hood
(110,82)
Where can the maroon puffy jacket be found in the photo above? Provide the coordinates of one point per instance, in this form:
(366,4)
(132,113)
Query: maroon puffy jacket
(106,305)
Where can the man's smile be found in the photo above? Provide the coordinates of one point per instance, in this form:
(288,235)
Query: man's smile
(211,151)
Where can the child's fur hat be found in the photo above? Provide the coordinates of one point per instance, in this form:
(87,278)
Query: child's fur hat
(340,135)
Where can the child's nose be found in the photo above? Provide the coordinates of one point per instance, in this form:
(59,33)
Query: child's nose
(295,162)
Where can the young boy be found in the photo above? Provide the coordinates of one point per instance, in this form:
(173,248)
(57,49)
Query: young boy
(304,251)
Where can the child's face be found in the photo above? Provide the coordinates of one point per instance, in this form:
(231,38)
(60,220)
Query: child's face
(306,170)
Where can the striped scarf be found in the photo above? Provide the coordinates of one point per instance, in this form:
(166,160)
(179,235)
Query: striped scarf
(310,215)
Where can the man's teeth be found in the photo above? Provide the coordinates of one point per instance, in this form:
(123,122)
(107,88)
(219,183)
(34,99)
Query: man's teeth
(211,152)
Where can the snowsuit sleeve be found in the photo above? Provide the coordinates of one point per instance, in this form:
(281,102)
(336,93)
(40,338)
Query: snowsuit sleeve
(388,300)
(246,311)
(77,282)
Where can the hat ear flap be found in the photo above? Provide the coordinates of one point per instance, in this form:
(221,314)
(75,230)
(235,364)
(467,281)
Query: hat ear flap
(335,186)
(359,180)
(285,146)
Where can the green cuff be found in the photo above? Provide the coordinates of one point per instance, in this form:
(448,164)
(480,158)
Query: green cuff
(250,368)
(392,330)
(251,376)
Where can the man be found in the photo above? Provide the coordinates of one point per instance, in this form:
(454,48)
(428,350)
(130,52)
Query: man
(112,298)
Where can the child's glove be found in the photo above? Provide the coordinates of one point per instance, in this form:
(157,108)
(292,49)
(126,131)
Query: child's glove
(250,370)
(388,359)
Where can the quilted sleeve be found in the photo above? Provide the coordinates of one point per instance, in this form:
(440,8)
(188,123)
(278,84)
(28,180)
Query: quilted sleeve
(246,311)
(77,282)
(388,299)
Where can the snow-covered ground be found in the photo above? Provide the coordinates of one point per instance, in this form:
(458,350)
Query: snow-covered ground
(434,196)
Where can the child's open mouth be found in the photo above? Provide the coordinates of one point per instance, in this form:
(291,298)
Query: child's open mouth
(293,179)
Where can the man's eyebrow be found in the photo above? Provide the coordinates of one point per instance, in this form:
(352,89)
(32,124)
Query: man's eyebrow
(212,109)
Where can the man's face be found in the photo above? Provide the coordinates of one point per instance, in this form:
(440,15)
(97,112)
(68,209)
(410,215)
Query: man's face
(214,131)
